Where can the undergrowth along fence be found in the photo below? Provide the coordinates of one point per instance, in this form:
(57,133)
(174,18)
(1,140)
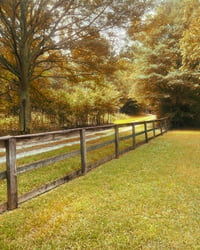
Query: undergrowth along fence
(113,139)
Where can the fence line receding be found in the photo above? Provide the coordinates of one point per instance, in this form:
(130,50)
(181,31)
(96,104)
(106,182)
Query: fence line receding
(81,143)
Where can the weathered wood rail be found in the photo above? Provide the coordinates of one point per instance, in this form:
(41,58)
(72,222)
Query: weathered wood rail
(150,129)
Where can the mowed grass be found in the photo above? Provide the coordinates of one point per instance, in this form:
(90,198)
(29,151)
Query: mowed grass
(136,118)
(147,199)
(38,177)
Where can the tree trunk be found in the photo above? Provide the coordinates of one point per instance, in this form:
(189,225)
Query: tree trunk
(25,109)
(24,67)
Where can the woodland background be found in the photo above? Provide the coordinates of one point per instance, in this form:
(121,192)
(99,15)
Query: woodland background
(80,62)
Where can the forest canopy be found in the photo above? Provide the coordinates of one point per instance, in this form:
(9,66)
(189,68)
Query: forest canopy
(76,63)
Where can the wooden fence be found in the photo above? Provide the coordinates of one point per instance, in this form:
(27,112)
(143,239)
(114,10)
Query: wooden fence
(147,129)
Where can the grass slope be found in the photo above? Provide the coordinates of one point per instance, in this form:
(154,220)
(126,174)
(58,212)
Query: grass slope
(147,199)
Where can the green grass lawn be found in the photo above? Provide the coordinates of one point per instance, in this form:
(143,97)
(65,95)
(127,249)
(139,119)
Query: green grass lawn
(38,177)
(147,199)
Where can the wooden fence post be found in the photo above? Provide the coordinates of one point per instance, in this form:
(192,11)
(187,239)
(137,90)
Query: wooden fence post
(116,141)
(154,129)
(166,125)
(12,193)
(145,131)
(133,136)
(83,151)
(161,129)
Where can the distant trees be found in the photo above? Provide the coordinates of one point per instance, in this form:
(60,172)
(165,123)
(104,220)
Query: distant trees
(190,43)
(131,107)
(166,45)
(36,35)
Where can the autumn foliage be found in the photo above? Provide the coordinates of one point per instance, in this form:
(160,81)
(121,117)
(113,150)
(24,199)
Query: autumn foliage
(66,64)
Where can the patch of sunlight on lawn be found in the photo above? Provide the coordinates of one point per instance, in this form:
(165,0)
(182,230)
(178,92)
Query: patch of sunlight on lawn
(137,118)
(185,132)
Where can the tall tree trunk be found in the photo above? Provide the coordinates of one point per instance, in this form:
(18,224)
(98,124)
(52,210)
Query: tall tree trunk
(24,65)
(25,107)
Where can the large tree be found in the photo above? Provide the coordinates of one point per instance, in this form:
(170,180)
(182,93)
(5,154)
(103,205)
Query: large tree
(33,31)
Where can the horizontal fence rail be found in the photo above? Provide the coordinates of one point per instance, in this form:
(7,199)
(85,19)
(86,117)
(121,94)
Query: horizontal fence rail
(81,137)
